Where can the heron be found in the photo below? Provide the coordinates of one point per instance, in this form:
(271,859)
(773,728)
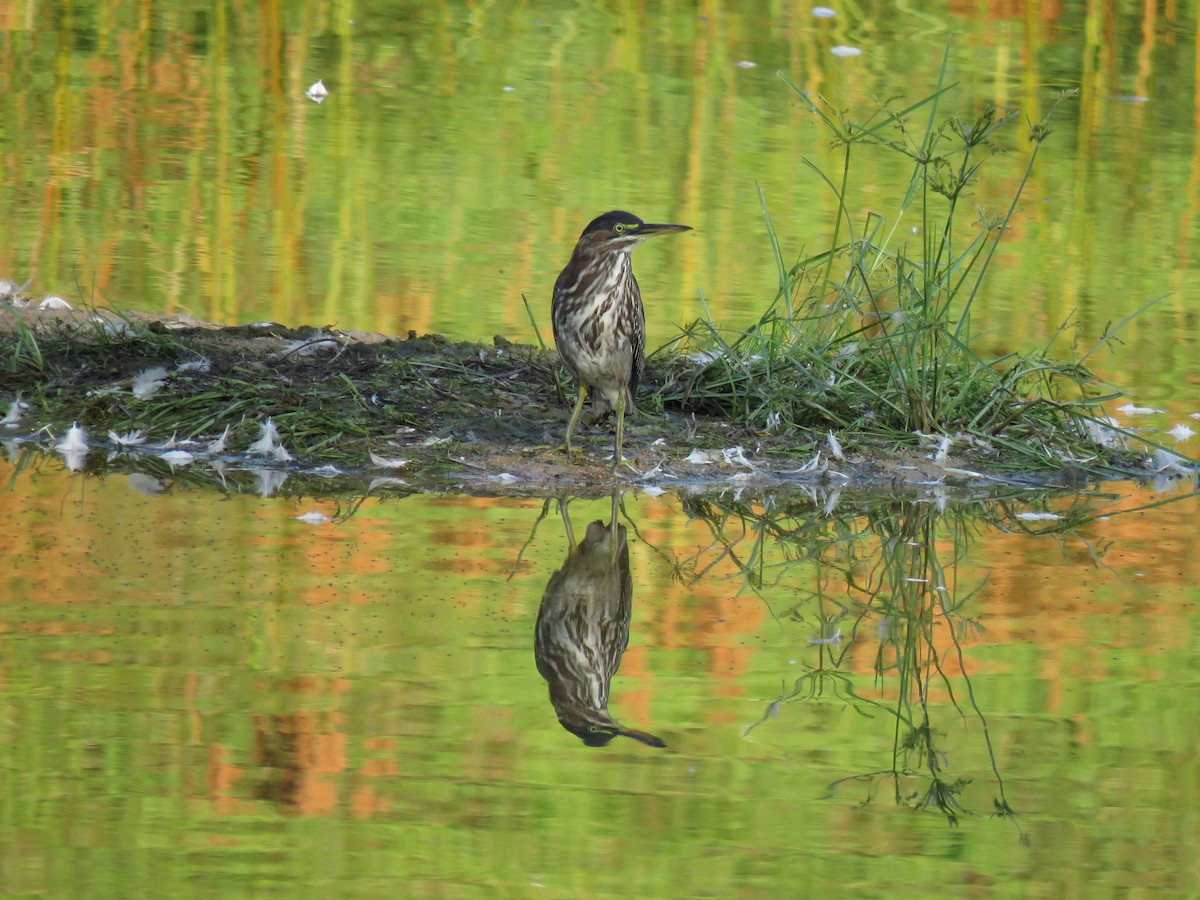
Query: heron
(599,322)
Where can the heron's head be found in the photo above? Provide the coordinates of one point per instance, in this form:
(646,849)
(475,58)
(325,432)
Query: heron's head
(600,733)
(621,231)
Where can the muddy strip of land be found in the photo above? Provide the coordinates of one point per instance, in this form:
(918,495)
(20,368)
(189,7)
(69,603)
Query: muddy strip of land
(422,411)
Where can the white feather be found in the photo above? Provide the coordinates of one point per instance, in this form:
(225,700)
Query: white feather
(387,462)
(74,442)
(1130,410)
(176,457)
(218,446)
(195,365)
(267,435)
(147,382)
(128,439)
(835,447)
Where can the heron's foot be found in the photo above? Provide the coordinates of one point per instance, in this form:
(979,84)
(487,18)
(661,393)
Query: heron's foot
(619,462)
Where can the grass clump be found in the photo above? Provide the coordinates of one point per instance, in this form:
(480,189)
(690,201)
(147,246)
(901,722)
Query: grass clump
(871,338)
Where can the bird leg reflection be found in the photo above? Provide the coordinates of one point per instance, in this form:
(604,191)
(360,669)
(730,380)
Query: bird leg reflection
(583,629)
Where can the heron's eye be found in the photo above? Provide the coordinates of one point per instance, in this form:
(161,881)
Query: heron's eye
(620,227)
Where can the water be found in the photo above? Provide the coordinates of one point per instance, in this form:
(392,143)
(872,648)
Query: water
(915,690)
(205,693)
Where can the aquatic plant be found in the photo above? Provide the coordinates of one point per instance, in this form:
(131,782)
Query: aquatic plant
(871,338)
(879,581)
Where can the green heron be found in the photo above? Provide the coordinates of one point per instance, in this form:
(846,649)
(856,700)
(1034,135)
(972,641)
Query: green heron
(583,629)
(599,323)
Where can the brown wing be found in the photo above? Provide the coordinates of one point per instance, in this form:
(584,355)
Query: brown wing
(638,340)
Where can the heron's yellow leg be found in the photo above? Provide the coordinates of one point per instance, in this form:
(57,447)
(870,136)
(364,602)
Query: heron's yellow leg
(575,414)
(620,428)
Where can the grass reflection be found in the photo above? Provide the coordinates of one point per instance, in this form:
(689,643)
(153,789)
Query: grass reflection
(884,575)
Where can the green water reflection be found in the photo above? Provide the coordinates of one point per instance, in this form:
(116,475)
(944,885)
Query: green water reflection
(204,694)
(165,157)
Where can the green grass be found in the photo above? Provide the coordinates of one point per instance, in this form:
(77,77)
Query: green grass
(871,338)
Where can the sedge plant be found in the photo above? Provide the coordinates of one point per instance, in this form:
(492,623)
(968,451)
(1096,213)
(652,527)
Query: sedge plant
(871,338)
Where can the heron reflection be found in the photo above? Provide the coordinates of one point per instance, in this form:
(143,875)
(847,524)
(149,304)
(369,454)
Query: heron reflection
(583,630)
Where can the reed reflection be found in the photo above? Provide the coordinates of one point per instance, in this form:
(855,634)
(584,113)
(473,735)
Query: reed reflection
(583,629)
(886,627)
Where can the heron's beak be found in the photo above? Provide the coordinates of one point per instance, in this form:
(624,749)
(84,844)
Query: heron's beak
(646,230)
